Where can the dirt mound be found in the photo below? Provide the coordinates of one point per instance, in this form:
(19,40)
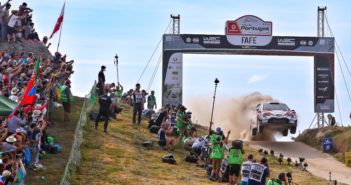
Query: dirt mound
(25,46)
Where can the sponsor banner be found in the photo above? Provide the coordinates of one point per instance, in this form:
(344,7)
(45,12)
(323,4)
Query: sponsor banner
(172,85)
(324,83)
(249,25)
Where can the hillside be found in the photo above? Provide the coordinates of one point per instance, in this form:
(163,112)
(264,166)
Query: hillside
(119,158)
(341,139)
(24,46)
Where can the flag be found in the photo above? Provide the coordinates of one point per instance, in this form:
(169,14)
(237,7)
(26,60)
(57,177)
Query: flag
(59,21)
(58,92)
(29,94)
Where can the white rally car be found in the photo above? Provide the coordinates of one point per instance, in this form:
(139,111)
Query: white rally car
(275,116)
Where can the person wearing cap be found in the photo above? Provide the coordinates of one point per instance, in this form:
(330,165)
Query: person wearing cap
(4,176)
(101,80)
(217,154)
(282,179)
(213,134)
(138,103)
(66,98)
(245,169)
(151,101)
(259,173)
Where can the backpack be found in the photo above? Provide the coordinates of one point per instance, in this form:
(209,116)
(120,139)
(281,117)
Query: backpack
(154,129)
(147,144)
(169,159)
(191,159)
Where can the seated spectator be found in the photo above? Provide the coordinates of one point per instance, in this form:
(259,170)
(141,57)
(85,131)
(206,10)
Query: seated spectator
(282,179)
(165,138)
(189,141)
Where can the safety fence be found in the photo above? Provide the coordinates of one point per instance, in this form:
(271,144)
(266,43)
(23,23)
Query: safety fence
(75,155)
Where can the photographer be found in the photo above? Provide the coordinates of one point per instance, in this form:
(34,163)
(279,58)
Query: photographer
(259,173)
(282,179)
(235,159)
(181,123)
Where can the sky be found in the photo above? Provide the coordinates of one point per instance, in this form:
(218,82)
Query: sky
(95,30)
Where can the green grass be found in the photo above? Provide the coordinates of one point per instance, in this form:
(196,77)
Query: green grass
(63,132)
(118,158)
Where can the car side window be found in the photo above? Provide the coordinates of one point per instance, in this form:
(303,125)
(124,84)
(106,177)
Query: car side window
(258,107)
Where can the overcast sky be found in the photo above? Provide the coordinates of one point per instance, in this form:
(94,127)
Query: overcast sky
(95,30)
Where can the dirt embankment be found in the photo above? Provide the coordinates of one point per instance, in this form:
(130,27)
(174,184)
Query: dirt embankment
(341,139)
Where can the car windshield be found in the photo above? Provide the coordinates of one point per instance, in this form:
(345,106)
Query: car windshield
(276,106)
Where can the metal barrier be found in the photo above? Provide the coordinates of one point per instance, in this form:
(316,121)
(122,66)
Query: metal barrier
(75,155)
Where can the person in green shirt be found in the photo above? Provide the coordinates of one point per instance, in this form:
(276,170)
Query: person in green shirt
(151,101)
(282,179)
(181,123)
(217,154)
(235,159)
(119,92)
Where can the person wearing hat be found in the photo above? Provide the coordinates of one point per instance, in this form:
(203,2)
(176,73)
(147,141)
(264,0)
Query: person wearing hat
(9,145)
(4,176)
(282,179)
(14,96)
(101,80)
(151,101)
(67,99)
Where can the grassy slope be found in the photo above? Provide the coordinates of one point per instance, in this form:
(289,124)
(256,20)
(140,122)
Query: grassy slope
(118,158)
(340,135)
(63,133)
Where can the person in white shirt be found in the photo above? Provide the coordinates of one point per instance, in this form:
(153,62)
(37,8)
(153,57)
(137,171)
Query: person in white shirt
(14,96)
(245,170)
(14,21)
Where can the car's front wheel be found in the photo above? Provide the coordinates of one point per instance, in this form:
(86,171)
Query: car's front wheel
(285,132)
(259,126)
(292,130)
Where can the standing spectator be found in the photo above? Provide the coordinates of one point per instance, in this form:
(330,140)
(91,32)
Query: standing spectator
(4,20)
(151,101)
(14,96)
(45,42)
(235,159)
(217,155)
(66,98)
(105,107)
(101,80)
(14,20)
(138,102)
(181,123)
(245,170)
(119,92)
(259,173)
(14,123)
(165,137)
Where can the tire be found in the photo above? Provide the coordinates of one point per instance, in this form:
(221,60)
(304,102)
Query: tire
(260,127)
(292,130)
(285,132)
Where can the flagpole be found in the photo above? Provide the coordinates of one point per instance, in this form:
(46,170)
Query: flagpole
(61,27)
(58,44)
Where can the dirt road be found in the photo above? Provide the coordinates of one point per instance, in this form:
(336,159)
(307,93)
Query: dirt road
(319,164)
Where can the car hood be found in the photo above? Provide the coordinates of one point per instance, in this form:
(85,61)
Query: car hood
(277,112)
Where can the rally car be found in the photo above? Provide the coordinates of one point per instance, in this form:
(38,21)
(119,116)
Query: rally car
(276,116)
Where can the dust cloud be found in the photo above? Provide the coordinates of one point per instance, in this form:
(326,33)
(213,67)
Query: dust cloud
(230,114)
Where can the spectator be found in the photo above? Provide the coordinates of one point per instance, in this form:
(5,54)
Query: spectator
(151,101)
(282,179)
(4,177)
(259,173)
(101,80)
(217,155)
(138,102)
(181,123)
(66,98)
(45,43)
(14,123)
(245,170)
(105,107)
(14,96)
(235,159)
(14,20)
(165,138)
(4,20)
(119,92)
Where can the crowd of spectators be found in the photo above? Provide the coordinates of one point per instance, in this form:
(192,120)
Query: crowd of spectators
(23,134)
(17,24)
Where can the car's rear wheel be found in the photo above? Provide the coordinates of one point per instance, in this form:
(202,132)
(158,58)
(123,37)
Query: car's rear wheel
(292,130)
(253,131)
(285,132)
